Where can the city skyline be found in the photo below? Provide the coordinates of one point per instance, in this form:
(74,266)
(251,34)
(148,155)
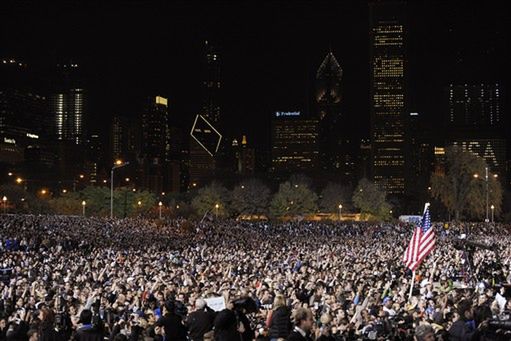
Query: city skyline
(266,65)
(337,92)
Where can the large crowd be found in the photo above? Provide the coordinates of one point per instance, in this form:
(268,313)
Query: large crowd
(75,278)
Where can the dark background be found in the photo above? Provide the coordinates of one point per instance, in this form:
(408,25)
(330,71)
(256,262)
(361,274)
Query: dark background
(269,50)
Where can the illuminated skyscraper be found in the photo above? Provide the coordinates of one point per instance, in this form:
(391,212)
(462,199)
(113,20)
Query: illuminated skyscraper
(202,163)
(125,139)
(155,129)
(67,105)
(294,143)
(328,99)
(475,122)
(68,110)
(328,87)
(21,111)
(388,94)
(474,105)
(211,83)
(155,143)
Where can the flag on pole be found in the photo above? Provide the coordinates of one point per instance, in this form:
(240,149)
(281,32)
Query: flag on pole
(422,242)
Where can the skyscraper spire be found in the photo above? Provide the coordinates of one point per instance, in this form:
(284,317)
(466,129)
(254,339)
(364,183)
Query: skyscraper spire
(328,84)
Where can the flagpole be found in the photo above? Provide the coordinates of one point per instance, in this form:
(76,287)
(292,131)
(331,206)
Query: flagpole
(411,286)
(426,205)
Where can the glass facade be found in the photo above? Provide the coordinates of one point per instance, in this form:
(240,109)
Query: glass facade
(388,96)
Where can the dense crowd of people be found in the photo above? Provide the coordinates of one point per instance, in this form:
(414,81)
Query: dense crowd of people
(75,278)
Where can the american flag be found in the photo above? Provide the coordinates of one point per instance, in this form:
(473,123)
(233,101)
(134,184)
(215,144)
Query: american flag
(421,244)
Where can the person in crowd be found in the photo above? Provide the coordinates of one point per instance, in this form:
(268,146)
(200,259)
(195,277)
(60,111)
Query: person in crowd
(93,278)
(303,321)
(200,322)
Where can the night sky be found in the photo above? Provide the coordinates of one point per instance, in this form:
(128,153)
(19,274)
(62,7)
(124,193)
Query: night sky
(270,52)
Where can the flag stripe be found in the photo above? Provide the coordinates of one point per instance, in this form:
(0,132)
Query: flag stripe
(421,244)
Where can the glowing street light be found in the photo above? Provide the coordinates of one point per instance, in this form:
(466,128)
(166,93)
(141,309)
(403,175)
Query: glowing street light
(4,200)
(139,203)
(43,191)
(216,210)
(19,180)
(492,215)
(340,212)
(118,164)
(83,207)
(127,179)
(10,173)
(81,176)
(64,191)
(160,204)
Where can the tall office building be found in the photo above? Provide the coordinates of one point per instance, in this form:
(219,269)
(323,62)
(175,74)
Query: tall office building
(21,111)
(211,83)
(474,106)
(388,94)
(155,143)
(202,163)
(328,100)
(475,122)
(67,105)
(294,143)
(155,128)
(328,87)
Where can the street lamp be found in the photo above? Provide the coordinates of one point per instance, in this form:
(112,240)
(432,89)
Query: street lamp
(216,210)
(160,204)
(4,200)
(492,215)
(118,164)
(83,207)
(476,176)
(139,203)
(340,210)
(19,180)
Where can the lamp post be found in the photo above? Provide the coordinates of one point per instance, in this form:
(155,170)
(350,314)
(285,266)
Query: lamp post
(4,200)
(476,176)
(118,164)
(216,210)
(340,212)
(492,215)
(160,204)
(486,179)
(83,207)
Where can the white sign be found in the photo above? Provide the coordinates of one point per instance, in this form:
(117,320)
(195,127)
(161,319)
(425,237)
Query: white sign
(11,141)
(32,136)
(287,113)
(216,303)
(416,219)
